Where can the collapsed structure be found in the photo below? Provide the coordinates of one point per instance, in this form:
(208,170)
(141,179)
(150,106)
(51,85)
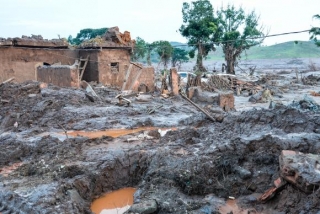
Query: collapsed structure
(105,60)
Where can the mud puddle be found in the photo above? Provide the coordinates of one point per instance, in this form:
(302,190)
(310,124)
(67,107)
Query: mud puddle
(231,206)
(115,132)
(116,202)
(5,171)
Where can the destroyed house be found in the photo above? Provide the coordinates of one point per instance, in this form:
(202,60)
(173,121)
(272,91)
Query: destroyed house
(105,60)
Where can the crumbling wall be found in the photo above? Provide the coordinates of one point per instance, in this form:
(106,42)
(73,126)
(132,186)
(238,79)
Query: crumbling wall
(22,63)
(112,66)
(147,77)
(60,75)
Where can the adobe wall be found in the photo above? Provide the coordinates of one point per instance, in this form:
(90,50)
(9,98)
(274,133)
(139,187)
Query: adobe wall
(146,77)
(60,75)
(108,75)
(21,63)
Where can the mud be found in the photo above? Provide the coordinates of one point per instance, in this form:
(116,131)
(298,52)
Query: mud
(194,168)
(111,202)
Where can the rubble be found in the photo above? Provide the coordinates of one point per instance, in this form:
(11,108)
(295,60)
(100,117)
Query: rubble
(301,170)
(34,41)
(60,151)
(112,38)
(144,207)
(226,101)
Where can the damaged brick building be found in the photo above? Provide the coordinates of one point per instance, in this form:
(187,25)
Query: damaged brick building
(53,61)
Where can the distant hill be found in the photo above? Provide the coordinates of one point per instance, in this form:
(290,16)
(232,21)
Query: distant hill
(303,49)
(180,45)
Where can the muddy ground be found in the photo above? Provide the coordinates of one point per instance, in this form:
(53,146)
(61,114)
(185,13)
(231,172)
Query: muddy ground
(194,168)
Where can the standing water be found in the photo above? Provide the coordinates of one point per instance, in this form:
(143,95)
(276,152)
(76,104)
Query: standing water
(116,202)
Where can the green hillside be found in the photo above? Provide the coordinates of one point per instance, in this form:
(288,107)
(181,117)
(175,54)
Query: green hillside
(285,50)
(303,49)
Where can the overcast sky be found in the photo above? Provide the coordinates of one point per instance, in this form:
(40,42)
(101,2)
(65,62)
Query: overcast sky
(149,19)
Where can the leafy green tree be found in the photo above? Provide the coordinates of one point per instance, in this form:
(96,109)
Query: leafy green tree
(234,42)
(86,34)
(315,31)
(179,56)
(164,49)
(139,50)
(199,27)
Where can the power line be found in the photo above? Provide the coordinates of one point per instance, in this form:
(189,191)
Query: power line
(236,40)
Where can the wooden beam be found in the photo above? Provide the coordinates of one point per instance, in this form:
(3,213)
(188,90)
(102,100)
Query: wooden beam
(126,78)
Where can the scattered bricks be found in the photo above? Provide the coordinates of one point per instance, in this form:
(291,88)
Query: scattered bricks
(43,85)
(226,101)
(270,193)
(174,83)
(279,182)
(301,170)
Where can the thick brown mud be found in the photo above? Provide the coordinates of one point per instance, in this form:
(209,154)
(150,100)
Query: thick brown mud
(193,169)
(113,200)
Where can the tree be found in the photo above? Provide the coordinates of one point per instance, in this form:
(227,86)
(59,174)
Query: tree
(140,49)
(234,42)
(315,31)
(150,47)
(178,57)
(164,49)
(86,34)
(199,27)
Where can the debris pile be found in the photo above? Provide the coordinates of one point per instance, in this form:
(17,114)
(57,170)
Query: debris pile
(112,38)
(299,169)
(34,41)
(306,104)
(311,80)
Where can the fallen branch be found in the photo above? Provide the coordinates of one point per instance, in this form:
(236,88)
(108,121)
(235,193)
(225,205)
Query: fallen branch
(198,107)
(8,80)
(4,101)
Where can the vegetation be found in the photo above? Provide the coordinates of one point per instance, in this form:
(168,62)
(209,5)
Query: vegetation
(179,56)
(315,31)
(164,50)
(234,42)
(199,27)
(139,51)
(86,34)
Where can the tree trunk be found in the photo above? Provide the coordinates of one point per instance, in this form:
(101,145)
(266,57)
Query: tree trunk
(230,59)
(230,67)
(200,66)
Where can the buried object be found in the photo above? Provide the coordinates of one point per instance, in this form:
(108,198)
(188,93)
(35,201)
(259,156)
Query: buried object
(298,169)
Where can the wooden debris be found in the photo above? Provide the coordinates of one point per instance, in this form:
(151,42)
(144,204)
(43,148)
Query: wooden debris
(122,100)
(199,108)
(315,94)
(88,88)
(8,80)
(152,110)
(4,101)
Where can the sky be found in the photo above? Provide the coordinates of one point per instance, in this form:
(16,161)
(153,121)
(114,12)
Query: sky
(151,20)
